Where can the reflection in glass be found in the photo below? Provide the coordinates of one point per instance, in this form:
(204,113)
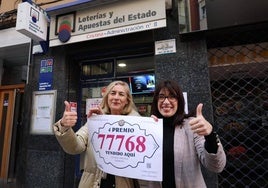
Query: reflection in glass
(135,65)
(97,69)
(199,15)
(192,15)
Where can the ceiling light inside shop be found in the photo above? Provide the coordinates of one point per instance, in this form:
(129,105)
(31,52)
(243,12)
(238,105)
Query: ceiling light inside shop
(122,65)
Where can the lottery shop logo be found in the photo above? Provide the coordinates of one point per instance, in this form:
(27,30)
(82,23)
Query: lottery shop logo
(65,25)
(34,15)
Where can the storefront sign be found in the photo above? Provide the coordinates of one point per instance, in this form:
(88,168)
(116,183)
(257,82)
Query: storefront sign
(109,20)
(32,21)
(165,47)
(46,75)
(127,146)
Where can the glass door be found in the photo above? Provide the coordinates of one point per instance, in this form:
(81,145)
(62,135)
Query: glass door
(91,96)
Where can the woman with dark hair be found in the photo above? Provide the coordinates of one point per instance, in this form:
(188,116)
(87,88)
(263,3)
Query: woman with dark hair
(188,141)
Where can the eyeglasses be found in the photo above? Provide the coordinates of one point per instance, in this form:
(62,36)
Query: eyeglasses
(171,98)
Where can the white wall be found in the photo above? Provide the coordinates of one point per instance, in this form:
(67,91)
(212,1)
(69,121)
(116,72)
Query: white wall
(11,37)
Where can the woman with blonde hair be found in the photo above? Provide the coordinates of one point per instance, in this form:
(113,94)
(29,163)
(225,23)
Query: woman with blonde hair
(128,108)
(117,100)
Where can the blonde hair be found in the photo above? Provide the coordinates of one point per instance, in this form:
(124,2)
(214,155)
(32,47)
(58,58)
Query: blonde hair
(130,106)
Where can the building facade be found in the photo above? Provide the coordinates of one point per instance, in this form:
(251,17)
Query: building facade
(221,63)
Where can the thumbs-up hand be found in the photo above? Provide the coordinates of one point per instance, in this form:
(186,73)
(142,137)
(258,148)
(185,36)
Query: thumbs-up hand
(199,124)
(69,118)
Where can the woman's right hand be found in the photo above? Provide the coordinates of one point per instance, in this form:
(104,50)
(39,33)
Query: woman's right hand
(69,117)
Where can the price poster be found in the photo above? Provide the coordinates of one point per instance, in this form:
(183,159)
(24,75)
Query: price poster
(128,146)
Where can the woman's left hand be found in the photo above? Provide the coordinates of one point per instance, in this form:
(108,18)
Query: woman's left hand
(94,111)
(199,124)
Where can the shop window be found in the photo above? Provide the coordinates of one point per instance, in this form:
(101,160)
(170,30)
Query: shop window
(134,65)
(91,70)
(138,72)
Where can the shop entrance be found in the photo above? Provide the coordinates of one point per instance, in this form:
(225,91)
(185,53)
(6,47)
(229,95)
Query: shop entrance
(10,97)
(136,71)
